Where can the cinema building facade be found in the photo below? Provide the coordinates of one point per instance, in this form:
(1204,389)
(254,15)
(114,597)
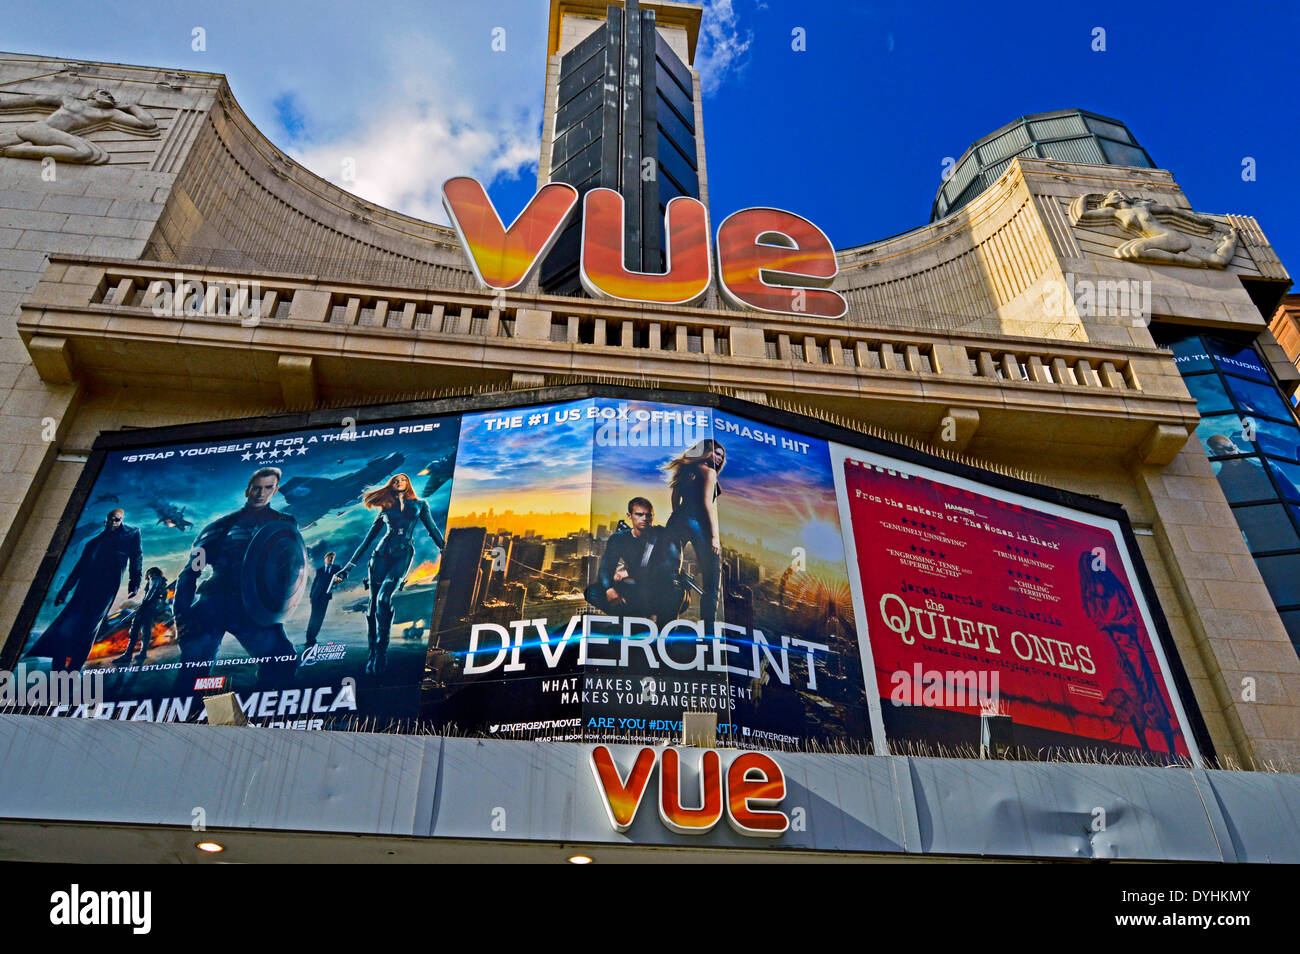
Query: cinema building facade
(644,519)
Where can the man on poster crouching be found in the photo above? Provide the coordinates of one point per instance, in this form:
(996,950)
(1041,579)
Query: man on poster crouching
(258,566)
(638,574)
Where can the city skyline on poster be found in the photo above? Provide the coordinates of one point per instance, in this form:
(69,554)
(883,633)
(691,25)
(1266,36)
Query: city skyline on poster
(752,567)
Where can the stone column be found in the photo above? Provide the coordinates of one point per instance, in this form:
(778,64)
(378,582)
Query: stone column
(1246,675)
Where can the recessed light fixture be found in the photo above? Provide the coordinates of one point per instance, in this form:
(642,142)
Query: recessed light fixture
(579,860)
(210,846)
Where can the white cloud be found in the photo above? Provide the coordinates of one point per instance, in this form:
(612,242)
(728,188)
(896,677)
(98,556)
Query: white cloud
(430,108)
(723,46)
(402,156)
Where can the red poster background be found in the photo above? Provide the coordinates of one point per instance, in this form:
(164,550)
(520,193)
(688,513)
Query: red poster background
(1024,572)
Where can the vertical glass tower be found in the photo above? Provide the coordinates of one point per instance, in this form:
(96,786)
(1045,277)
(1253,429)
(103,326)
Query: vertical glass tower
(623,118)
(1249,433)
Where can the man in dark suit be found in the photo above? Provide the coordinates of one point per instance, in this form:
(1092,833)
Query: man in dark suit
(637,575)
(257,565)
(320,597)
(94,582)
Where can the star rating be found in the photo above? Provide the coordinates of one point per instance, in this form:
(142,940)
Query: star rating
(920,524)
(247,456)
(260,454)
(926,551)
(301,451)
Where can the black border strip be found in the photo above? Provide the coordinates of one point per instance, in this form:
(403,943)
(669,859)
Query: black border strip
(378,413)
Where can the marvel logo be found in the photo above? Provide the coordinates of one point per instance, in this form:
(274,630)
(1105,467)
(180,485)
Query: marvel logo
(209,682)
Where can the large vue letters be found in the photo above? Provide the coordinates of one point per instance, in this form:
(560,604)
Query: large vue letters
(768,260)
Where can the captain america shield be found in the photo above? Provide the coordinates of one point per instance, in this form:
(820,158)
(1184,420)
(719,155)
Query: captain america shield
(274,574)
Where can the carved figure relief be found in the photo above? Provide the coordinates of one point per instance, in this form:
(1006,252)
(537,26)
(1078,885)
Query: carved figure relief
(61,134)
(1165,235)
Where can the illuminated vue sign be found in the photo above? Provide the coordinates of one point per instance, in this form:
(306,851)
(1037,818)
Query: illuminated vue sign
(767,259)
(589,567)
(748,792)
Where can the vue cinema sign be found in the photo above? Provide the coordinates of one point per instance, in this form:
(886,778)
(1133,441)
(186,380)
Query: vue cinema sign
(747,792)
(767,259)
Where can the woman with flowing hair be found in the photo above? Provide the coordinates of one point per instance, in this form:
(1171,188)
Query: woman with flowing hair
(694,489)
(399,511)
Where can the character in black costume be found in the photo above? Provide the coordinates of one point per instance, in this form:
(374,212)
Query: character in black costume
(694,520)
(94,582)
(258,570)
(151,607)
(320,597)
(637,574)
(399,512)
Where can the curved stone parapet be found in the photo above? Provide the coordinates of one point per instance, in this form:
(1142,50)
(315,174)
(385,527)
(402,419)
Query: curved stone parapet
(1016,261)
(239,201)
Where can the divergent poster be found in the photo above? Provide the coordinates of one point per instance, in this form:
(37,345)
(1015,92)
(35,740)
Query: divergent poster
(612,564)
(591,570)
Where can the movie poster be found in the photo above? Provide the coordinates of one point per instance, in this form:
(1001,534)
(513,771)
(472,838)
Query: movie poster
(977,602)
(611,564)
(591,570)
(298,570)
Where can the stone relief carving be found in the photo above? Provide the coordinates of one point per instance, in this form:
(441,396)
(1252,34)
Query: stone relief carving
(61,135)
(1162,231)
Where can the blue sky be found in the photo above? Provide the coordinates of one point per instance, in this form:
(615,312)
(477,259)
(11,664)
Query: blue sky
(851,132)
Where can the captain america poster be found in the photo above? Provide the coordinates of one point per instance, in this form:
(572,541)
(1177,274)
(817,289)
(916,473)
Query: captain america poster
(297,570)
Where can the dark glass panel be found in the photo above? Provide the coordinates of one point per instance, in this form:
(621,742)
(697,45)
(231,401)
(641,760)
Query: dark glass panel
(1243,480)
(1210,396)
(1255,398)
(1282,577)
(1266,528)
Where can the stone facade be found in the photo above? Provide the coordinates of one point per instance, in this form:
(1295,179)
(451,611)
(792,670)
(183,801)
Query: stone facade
(966,319)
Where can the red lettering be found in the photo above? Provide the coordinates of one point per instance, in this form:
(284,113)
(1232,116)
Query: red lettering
(622,798)
(604,272)
(777,262)
(754,779)
(504,258)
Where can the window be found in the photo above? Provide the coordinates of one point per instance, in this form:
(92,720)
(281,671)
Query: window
(1255,398)
(1250,435)
(1244,480)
